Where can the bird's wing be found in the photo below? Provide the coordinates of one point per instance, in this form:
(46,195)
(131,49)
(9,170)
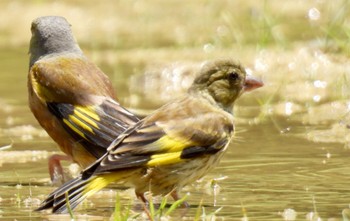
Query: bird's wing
(69,80)
(95,125)
(172,134)
(85,108)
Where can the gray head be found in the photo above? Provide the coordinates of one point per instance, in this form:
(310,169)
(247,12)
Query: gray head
(51,35)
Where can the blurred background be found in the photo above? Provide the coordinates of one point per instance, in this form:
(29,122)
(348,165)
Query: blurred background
(289,160)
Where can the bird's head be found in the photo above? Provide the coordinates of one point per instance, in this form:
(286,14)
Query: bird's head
(224,81)
(51,34)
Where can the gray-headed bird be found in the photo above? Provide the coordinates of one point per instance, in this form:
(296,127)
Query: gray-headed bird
(172,147)
(72,99)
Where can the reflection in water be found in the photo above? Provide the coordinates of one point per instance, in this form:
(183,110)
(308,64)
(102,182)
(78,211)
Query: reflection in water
(288,162)
(267,173)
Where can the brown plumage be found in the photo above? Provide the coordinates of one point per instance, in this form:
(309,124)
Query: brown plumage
(70,96)
(172,147)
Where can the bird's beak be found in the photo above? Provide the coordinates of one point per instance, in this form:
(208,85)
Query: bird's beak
(252,83)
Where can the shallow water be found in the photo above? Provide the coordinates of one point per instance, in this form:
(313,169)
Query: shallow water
(276,165)
(289,158)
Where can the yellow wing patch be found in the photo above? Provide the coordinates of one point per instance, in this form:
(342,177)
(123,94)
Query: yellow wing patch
(82,113)
(164,159)
(82,117)
(89,111)
(42,92)
(80,123)
(74,128)
(169,144)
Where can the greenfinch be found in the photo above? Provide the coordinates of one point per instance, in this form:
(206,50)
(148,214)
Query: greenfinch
(170,148)
(67,93)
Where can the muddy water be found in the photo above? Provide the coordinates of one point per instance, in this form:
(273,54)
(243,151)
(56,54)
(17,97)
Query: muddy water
(289,160)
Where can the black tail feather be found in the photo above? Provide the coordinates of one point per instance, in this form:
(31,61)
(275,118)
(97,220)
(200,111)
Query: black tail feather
(57,199)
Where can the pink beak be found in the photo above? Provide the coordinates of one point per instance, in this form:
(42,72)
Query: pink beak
(252,83)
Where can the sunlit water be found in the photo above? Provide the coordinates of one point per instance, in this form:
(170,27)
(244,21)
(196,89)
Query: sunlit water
(272,171)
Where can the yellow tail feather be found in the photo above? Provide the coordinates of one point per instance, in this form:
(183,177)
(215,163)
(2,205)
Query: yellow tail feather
(99,183)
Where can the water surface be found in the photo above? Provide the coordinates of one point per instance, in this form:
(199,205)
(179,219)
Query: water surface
(272,167)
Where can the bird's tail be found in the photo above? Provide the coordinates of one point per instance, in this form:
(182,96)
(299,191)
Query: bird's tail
(76,191)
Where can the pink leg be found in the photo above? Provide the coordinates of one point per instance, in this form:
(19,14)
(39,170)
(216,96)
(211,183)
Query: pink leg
(141,196)
(55,167)
(176,197)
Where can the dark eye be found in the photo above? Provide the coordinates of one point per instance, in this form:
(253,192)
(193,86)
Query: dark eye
(233,76)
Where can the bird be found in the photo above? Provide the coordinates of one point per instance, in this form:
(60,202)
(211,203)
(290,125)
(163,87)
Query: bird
(71,98)
(172,147)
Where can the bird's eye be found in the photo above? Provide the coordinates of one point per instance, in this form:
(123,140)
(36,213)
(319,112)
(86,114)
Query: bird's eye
(233,76)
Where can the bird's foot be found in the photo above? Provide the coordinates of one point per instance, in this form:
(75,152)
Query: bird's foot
(57,174)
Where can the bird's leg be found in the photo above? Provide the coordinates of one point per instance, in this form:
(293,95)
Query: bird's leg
(176,197)
(145,204)
(55,167)
(141,196)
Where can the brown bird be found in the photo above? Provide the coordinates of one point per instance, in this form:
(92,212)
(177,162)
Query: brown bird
(72,99)
(172,147)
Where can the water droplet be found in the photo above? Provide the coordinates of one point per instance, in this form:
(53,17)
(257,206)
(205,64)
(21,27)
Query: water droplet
(320,84)
(285,130)
(314,14)
(208,48)
(313,216)
(222,30)
(289,214)
(317,98)
(314,66)
(288,108)
(291,66)
(260,65)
